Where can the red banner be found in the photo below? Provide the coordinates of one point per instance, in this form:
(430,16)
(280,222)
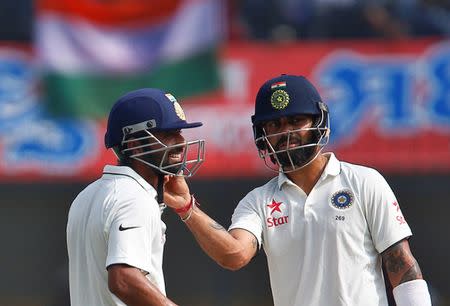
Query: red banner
(389,103)
(389,107)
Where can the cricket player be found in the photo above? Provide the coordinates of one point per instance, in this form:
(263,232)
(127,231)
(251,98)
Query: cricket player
(326,226)
(115,235)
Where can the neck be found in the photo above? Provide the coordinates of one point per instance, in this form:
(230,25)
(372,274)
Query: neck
(146,173)
(307,177)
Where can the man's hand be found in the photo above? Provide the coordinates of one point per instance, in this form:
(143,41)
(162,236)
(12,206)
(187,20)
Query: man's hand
(176,192)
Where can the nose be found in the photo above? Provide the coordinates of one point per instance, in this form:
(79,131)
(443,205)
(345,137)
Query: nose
(285,126)
(178,138)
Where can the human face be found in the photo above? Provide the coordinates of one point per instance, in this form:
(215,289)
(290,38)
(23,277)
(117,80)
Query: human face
(275,130)
(174,154)
(166,152)
(290,140)
(172,138)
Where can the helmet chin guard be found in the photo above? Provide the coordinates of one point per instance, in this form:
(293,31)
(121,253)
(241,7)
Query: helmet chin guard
(155,154)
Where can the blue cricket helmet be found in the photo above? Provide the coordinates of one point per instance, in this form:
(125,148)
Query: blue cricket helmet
(286,96)
(130,132)
(153,108)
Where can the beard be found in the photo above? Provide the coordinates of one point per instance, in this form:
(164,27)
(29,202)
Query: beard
(290,159)
(299,157)
(162,160)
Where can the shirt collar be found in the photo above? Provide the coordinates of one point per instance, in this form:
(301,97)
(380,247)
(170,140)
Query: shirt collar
(332,168)
(129,172)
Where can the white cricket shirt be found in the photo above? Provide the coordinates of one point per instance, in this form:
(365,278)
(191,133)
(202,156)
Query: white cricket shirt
(323,249)
(115,220)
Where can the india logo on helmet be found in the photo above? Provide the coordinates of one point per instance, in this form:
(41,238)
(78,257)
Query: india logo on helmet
(178,109)
(279,99)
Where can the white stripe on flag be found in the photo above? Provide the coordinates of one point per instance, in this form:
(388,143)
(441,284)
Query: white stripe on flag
(70,45)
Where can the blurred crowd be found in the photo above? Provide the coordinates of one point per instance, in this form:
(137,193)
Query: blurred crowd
(16,20)
(328,19)
(293,19)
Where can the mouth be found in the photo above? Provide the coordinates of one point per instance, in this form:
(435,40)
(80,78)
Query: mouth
(284,145)
(175,157)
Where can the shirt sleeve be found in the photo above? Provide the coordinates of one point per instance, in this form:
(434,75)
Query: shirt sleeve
(129,234)
(246,217)
(386,222)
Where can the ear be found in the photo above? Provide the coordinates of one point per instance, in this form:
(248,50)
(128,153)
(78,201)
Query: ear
(257,133)
(132,144)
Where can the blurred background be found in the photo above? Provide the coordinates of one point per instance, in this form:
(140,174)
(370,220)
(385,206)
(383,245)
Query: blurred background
(383,67)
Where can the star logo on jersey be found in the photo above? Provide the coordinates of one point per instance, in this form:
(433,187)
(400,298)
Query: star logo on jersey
(276,221)
(275,206)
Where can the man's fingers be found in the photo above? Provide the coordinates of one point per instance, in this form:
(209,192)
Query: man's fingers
(166,179)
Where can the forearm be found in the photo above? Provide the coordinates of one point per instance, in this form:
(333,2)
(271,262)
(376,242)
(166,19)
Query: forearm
(405,276)
(216,241)
(230,250)
(134,289)
(145,295)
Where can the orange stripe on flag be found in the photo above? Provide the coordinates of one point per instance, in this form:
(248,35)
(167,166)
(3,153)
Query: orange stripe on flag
(278,84)
(112,12)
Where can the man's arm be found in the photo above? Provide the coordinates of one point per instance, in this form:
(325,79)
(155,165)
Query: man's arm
(231,250)
(400,264)
(131,286)
(405,275)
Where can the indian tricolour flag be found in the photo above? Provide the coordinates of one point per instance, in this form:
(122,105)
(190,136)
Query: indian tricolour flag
(278,85)
(91,52)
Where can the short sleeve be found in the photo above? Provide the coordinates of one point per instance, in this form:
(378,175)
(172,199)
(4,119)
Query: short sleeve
(129,235)
(246,217)
(384,216)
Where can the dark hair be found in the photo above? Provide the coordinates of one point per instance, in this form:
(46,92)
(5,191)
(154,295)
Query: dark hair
(124,158)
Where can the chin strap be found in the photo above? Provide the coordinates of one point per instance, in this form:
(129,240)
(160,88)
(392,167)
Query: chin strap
(160,189)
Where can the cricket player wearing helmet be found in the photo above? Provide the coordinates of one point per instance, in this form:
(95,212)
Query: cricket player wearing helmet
(326,226)
(115,235)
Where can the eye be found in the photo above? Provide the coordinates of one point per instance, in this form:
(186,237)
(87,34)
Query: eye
(271,125)
(174,133)
(298,120)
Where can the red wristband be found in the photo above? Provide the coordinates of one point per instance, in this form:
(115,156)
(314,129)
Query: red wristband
(186,208)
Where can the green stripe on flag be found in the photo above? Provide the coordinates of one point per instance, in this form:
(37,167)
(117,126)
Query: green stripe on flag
(92,96)
(278,85)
